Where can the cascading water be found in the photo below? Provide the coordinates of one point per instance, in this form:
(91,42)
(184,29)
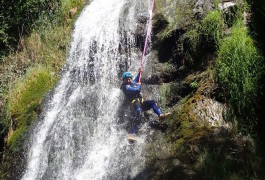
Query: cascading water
(81,135)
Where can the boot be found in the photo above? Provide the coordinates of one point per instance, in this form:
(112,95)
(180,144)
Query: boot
(131,138)
(162,117)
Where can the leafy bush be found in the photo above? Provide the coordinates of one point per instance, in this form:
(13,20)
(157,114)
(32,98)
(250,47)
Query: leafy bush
(239,68)
(21,17)
(18,17)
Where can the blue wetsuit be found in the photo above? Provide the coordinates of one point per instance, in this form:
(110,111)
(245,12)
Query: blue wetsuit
(133,96)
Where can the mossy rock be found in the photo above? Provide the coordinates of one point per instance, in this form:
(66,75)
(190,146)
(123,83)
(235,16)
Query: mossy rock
(202,150)
(24,106)
(27,93)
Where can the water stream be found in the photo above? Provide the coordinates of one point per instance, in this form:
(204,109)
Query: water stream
(81,134)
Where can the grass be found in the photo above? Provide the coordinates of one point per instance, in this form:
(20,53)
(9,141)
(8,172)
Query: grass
(203,37)
(239,67)
(47,45)
(213,27)
(209,31)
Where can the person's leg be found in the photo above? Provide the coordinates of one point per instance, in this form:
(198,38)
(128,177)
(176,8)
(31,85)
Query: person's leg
(134,125)
(152,104)
(137,108)
(138,112)
(154,124)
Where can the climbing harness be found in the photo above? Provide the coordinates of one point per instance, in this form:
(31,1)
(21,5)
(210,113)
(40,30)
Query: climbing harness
(140,100)
(136,104)
(146,37)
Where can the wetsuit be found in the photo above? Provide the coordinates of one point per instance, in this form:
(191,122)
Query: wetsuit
(133,96)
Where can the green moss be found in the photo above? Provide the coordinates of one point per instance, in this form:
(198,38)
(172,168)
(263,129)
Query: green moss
(164,93)
(195,145)
(185,127)
(16,141)
(25,99)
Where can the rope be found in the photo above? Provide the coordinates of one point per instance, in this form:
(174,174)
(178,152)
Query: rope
(146,38)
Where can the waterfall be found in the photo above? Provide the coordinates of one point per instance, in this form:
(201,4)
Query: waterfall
(81,134)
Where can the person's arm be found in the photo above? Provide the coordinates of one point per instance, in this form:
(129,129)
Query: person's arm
(133,89)
(136,79)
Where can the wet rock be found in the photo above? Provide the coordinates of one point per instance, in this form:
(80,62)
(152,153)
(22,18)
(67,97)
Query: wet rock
(230,9)
(201,7)
(159,23)
(154,79)
(211,111)
(217,94)
(189,172)
(227,6)
(176,162)
(140,32)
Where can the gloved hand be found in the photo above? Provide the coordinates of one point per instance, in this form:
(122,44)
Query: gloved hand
(141,70)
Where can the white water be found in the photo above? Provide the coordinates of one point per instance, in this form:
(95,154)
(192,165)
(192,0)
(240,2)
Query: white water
(80,135)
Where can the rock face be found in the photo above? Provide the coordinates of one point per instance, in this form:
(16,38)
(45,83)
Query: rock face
(211,111)
(201,7)
(227,6)
(202,145)
(229,9)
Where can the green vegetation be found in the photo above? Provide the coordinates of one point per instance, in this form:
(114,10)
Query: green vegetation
(223,157)
(35,37)
(194,85)
(25,98)
(209,152)
(210,30)
(203,37)
(213,27)
(239,68)
(18,18)
(239,64)
(212,153)
(222,42)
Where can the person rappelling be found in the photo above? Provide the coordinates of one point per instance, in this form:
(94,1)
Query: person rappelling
(131,89)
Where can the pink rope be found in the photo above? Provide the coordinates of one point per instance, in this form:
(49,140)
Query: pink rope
(146,38)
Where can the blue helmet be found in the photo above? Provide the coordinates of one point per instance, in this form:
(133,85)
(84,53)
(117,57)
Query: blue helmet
(126,75)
